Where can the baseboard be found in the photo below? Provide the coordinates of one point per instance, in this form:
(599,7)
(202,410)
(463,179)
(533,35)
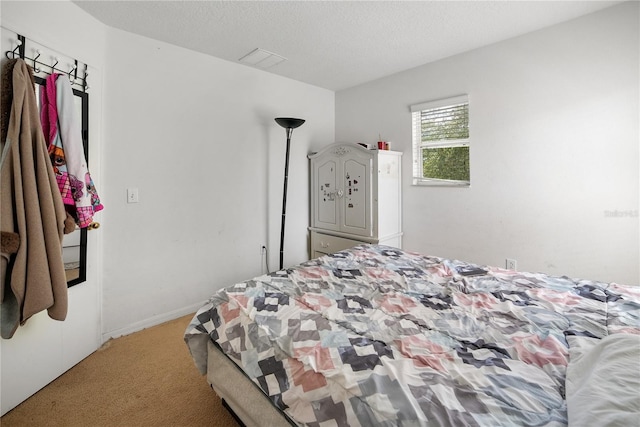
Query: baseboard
(152,321)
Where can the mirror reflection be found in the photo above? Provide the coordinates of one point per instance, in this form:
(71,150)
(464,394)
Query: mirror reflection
(74,246)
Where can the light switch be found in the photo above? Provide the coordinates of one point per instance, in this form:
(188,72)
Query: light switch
(132,195)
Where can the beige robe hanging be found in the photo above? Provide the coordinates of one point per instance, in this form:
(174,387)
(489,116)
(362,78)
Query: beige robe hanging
(32,208)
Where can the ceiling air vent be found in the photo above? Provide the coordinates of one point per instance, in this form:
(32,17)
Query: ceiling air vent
(261,58)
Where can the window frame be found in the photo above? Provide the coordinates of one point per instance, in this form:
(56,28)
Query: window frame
(418,145)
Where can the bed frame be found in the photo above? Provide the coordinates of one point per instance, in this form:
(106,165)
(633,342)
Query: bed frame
(241,396)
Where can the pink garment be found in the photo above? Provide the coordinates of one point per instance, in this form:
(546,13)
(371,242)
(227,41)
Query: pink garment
(49,120)
(48,109)
(63,132)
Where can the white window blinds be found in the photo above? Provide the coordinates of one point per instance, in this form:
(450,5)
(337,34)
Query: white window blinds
(441,142)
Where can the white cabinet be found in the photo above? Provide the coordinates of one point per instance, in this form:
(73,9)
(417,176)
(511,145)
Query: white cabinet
(355,198)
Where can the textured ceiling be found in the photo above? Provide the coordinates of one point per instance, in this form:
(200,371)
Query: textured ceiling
(336,44)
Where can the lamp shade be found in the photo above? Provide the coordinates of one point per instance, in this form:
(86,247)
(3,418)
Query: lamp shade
(289,123)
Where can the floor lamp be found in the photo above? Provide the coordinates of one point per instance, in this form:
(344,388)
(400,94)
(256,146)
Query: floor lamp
(289,124)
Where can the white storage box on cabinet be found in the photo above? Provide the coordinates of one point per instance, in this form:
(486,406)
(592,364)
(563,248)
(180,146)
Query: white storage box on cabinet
(355,198)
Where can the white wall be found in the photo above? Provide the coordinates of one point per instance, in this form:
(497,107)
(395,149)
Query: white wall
(196,135)
(554,131)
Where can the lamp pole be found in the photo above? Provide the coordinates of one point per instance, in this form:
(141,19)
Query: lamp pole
(289,124)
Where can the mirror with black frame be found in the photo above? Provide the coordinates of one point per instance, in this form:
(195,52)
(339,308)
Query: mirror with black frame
(74,246)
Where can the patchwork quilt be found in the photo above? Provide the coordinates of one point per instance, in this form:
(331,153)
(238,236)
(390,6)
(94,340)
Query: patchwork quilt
(376,336)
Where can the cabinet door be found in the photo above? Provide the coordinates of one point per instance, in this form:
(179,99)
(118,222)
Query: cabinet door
(356,201)
(326,195)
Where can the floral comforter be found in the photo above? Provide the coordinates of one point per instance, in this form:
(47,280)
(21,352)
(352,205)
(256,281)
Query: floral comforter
(376,336)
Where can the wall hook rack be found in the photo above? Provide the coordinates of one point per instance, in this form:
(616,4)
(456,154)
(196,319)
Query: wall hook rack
(19,52)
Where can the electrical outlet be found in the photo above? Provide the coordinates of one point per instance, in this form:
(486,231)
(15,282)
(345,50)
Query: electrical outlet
(511,264)
(264,259)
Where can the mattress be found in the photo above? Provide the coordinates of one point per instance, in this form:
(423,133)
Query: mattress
(376,336)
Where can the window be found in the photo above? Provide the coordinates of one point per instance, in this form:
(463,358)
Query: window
(441,142)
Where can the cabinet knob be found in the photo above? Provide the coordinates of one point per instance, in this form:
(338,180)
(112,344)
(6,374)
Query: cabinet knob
(324,245)
(340,193)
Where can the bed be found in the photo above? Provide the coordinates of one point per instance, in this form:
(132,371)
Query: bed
(377,336)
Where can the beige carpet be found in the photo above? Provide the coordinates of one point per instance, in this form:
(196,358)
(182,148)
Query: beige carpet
(143,379)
